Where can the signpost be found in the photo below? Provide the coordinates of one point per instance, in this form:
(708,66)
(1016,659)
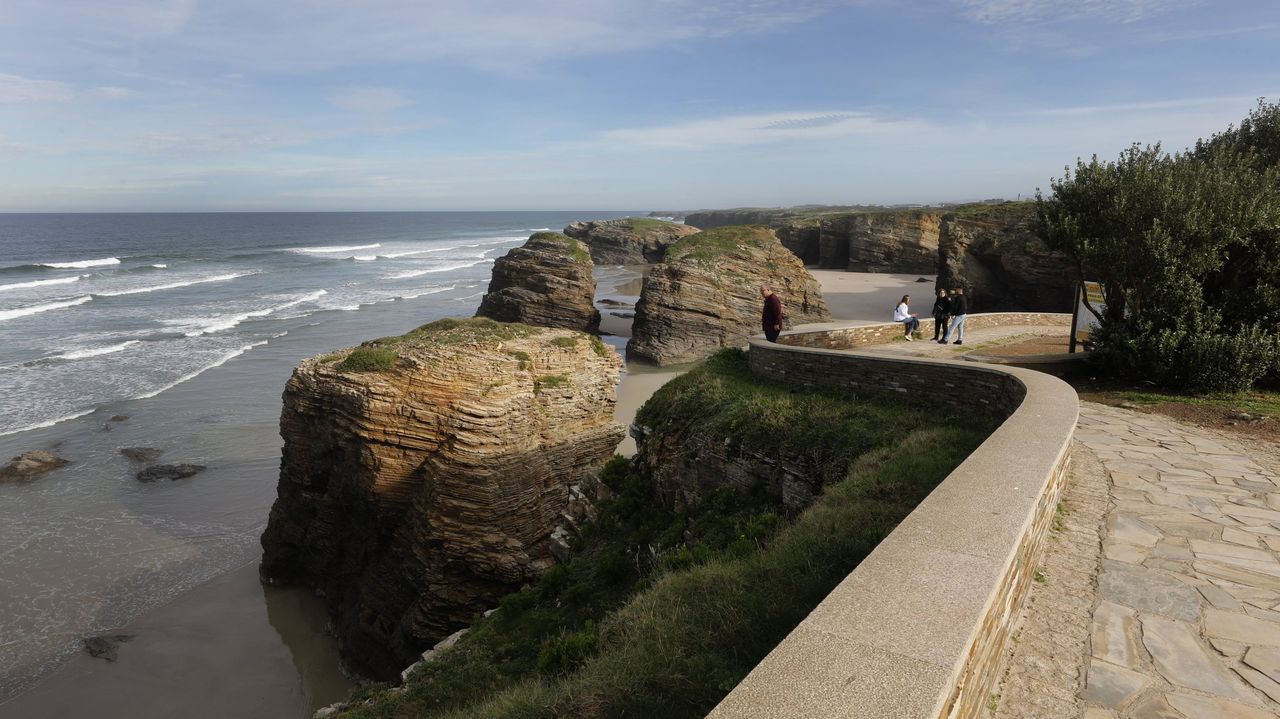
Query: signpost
(1093,292)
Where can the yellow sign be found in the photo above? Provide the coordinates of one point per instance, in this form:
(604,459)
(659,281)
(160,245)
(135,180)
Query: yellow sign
(1093,290)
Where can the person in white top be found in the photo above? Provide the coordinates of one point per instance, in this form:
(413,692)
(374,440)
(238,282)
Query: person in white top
(902,313)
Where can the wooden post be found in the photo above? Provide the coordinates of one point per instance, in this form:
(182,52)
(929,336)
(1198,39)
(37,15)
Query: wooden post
(1075,316)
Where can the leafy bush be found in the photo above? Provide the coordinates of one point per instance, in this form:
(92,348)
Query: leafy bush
(369,359)
(1188,247)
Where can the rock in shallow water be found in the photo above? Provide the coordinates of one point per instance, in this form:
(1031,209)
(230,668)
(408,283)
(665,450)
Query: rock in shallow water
(545,282)
(105,646)
(30,465)
(142,454)
(169,472)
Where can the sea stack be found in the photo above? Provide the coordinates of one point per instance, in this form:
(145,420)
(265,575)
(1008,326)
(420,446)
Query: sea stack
(706,294)
(424,476)
(547,282)
(628,241)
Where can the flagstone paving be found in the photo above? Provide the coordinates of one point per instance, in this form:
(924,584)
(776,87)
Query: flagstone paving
(1184,617)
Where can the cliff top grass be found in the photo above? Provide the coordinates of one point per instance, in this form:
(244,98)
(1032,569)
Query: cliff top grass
(661,613)
(646,225)
(574,248)
(706,246)
(459,331)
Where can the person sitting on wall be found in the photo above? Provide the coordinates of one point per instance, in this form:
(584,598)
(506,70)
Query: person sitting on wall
(902,313)
(959,310)
(941,314)
(771,314)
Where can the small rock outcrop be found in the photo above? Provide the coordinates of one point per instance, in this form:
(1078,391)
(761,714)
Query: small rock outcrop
(1003,266)
(170,472)
(706,294)
(30,465)
(628,241)
(424,476)
(547,282)
(142,454)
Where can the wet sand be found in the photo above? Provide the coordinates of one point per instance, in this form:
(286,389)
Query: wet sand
(228,648)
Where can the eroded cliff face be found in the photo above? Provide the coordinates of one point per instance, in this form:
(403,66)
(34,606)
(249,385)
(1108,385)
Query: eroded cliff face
(414,495)
(547,282)
(1002,265)
(706,295)
(628,241)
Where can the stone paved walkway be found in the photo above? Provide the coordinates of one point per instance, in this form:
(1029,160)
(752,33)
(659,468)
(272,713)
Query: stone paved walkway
(973,340)
(1186,616)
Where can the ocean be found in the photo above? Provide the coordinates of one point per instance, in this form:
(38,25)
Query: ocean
(178,332)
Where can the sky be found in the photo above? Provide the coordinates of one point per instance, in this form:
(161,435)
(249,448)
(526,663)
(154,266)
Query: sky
(222,105)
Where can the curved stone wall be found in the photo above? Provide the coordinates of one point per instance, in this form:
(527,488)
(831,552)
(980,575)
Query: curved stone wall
(918,628)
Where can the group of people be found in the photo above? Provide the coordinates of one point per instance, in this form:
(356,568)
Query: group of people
(949,313)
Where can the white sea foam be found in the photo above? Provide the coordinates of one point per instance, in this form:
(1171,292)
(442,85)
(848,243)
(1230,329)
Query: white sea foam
(364,258)
(218,324)
(541,229)
(41,283)
(160,267)
(325,250)
(36,309)
(443,268)
(82,264)
(192,375)
(173,285)
(96,351)
(426,291)
(48,423)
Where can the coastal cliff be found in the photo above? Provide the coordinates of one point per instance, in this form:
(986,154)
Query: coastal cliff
(425,476)
(991,251)
(706,294)
(547,282)
(628,241)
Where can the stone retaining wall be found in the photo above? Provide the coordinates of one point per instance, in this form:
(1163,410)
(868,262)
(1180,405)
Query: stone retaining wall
(845,338)
(917,630)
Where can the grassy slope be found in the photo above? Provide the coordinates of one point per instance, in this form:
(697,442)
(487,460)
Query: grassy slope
(660,614)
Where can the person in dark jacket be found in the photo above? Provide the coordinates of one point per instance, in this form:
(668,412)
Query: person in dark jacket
(771,315)
(941,315)
(959,310)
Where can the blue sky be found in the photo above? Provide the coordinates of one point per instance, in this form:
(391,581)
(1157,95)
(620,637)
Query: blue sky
(159,105)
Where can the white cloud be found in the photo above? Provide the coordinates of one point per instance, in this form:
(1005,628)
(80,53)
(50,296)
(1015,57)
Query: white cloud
(18,90)
(373,100)
(1045,11)
(759,129)
(308,35)
(111,92)
(1129,107)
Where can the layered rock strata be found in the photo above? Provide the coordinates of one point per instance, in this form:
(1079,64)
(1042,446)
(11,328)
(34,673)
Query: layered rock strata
(706,294)
(628,241)
(425,476)
(1002,265)
(547,282)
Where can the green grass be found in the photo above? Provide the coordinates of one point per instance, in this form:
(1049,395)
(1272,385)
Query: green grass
(1257,402)
(576,249)
(599,347)
(646,225)
(565,342)
(460,331)
(332,357)
(706,246)
(369,359)
(661,612)
(550,381)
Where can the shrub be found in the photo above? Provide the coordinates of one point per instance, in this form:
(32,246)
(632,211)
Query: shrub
(369,359)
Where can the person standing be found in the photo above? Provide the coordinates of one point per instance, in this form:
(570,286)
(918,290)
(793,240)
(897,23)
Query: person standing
(771,315)
(941,314)
(902,313)
(959,310)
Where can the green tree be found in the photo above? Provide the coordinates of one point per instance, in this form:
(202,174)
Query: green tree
(1188,248)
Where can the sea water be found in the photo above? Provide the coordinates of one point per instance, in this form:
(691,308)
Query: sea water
(187,326)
